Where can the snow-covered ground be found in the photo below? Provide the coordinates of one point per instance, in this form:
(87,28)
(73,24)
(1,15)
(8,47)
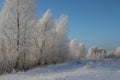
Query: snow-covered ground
(83,70)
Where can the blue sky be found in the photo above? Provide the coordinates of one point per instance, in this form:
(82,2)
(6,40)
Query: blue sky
(92,22)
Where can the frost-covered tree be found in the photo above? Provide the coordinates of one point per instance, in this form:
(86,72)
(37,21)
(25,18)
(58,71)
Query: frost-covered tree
(61,38)
(91,53)
(117,52)
(51,39)
(4,62)
(110,54)
(18,21)
(76,51)
(25,41)
(95,53)
(43,34)
(82,50)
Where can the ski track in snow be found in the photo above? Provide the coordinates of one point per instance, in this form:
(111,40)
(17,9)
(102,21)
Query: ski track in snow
(85,70)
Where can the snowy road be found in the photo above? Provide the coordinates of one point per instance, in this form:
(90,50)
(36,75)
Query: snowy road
(108,70)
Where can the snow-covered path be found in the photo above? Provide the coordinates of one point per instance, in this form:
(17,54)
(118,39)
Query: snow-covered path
(108,70)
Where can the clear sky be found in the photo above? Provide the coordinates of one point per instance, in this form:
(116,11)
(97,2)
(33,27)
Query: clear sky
(92,22)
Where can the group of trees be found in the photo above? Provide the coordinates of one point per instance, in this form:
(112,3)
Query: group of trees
(95,53)
(27,42)
(18,22)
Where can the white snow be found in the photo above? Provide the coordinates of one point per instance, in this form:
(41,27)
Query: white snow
(83,70)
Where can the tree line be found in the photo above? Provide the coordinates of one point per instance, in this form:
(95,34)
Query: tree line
(27,42)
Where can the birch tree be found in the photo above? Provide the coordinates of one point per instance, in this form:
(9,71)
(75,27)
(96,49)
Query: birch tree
(18,20)
(62,40)
(45,24)
(52,39)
